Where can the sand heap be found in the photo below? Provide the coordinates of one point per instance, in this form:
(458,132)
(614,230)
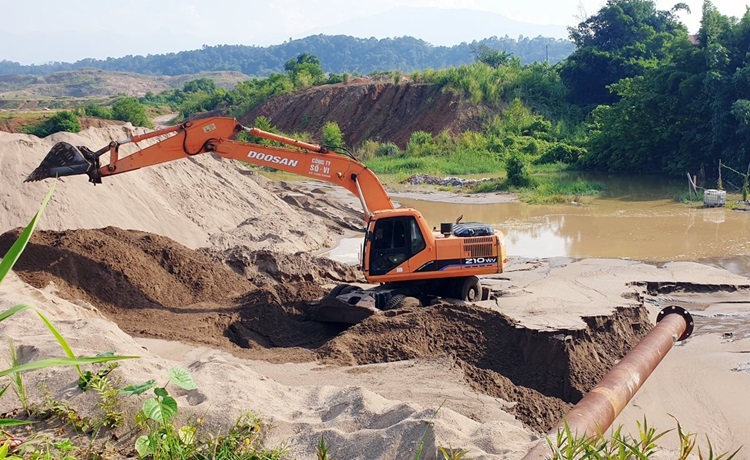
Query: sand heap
(200,201)
(153,287)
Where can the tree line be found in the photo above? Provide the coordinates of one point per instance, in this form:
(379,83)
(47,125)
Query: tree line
(339,54)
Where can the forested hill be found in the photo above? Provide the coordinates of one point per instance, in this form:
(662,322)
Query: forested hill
(337,53)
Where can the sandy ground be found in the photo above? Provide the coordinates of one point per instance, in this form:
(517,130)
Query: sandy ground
(379,388)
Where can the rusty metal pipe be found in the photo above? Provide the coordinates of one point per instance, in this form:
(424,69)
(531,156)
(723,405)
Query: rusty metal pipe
(597,410)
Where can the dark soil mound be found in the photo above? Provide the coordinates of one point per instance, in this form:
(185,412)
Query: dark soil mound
(153,287)
(541,371)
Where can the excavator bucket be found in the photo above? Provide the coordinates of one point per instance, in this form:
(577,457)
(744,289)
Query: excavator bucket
(64,160)
(352,307)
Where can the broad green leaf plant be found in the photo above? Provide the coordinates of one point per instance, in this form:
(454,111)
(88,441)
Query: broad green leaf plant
(7,263)
(163,440)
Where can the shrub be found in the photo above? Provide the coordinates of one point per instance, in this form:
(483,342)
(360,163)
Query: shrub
(61,121)
(130,110)
(332,135)
(562,153)
(517,171)
(388,149)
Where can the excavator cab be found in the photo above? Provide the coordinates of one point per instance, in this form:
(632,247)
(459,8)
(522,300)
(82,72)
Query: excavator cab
(393,241)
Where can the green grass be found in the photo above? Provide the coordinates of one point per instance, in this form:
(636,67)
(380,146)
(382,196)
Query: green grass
(453,164)
(549,186)
(551,190)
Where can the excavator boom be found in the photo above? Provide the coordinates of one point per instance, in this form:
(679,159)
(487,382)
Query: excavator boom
(216,135)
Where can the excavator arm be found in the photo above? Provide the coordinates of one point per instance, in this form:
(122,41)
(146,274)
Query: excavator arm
(216,135)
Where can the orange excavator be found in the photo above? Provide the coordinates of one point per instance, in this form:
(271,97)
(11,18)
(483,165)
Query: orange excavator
(407,260)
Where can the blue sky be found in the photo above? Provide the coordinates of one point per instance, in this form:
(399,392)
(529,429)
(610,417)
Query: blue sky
(42,31)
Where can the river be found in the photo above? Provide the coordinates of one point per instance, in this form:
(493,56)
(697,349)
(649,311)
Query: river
(634,218)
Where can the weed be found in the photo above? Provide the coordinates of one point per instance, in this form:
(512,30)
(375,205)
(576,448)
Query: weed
(17,378)
(244,441)
(568,446)
(4,455)
(64,413)
(109,403)
(450,453)
(322,449)
(163,439)
(18,368)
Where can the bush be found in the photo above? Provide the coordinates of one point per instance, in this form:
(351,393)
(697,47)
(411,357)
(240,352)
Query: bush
(388,149)
(332,135)
(130,110)
(421,143)
(94,110)
(562,153)
(61,121)
(517,171)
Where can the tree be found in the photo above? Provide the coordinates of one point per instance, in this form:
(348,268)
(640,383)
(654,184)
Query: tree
(624,39)
(305,70)
(129,109)
(491,57)
(332,135)
(690,114)
(202,84)
(516,170)
(95,110)
(61,121)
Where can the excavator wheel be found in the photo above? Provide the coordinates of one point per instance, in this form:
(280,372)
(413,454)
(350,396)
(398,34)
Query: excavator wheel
(341,289)
(471,289)
(401,301)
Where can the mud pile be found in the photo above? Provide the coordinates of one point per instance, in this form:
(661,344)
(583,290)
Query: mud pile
(154,287)
(542,372)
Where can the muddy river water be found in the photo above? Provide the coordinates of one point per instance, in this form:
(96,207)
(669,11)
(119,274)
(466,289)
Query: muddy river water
(655,230)
(631,219)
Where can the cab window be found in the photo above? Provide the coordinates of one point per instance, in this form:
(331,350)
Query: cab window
(394,240)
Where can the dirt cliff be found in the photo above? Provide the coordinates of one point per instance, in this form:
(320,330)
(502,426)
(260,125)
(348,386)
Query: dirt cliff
(371,109)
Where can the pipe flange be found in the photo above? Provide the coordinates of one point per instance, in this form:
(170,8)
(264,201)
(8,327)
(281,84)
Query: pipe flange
(674,309)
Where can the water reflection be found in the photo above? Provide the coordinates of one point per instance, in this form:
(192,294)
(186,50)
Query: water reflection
(630,226)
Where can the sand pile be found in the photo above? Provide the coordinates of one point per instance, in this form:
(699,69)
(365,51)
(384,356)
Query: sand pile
(197,201)
(153,287)
(357,423)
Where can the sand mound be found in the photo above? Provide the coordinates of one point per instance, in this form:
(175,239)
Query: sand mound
(357,423)
(195,201)
(152,286)
(540,371)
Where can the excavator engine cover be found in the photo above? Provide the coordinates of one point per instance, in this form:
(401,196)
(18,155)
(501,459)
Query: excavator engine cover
(63,160)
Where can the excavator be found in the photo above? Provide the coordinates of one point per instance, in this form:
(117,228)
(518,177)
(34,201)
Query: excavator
(406,260)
